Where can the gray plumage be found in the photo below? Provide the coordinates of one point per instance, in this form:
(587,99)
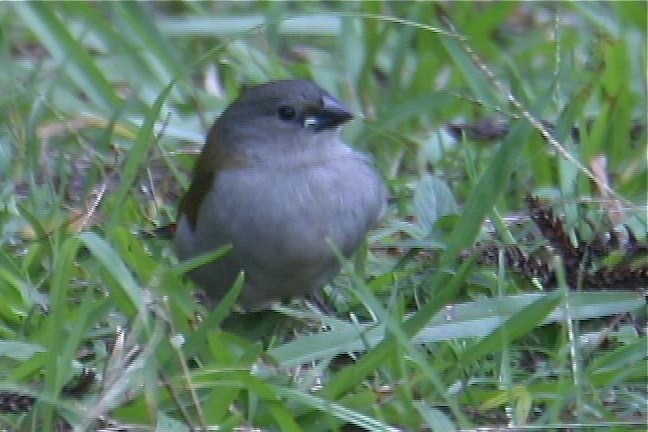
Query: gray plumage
(276,182)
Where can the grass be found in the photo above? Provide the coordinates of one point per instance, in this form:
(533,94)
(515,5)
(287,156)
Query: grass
(437,325)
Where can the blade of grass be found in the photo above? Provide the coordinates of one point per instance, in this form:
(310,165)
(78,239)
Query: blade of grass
(56,368)
(454,321)
(515,327)
(129,293)
(335,409)
(144,140)
(64,47)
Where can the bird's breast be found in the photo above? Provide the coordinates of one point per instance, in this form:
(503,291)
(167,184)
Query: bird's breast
(296,210)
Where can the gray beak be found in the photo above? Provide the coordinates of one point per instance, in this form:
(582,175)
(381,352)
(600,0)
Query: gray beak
(331,114)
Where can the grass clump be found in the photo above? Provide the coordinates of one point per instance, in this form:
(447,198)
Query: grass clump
(504,287)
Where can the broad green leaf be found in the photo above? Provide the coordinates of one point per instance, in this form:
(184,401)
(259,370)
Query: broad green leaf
(432,200)
(459,321)
(519,324)
(129,294)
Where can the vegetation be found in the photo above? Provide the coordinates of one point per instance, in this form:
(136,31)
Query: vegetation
(472,305)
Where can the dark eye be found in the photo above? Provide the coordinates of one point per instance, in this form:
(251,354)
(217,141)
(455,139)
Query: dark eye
(286,113)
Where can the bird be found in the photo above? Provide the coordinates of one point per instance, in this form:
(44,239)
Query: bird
(276,182)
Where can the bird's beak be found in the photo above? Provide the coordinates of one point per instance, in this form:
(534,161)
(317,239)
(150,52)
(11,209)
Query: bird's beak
(330,114)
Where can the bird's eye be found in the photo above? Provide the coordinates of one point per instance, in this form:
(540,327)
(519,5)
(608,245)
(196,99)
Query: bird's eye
(286,113)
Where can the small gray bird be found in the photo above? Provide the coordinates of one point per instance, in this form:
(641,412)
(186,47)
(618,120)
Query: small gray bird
(275,181)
